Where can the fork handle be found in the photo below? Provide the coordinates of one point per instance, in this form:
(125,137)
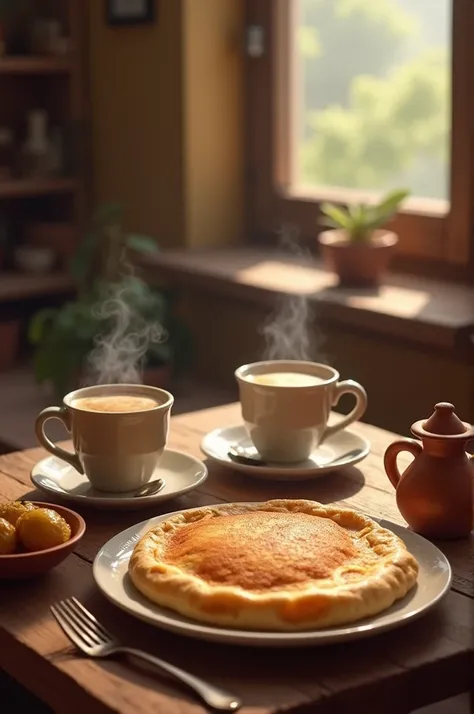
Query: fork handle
(213,696)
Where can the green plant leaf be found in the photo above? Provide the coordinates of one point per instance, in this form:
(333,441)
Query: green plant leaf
(389,205)
(377,221)
(360,214)
(43,365)
(142,244)
(82,259)
(355,211)
(328,222)
(108,214)
(339,216)
(39,324)
(392,200)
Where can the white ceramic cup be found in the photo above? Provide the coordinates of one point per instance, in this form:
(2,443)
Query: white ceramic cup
(287,423)
(117,451)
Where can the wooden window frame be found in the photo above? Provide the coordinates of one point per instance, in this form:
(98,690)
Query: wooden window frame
(431,240)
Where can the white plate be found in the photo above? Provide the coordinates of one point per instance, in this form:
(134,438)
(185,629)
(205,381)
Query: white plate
(111,575)
(181,474)
(216,445)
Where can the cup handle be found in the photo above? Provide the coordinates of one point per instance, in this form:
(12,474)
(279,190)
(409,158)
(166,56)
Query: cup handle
(348,386)
(62,414)
(390,457)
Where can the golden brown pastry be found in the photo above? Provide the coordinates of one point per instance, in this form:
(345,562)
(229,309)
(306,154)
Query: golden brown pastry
(280,565)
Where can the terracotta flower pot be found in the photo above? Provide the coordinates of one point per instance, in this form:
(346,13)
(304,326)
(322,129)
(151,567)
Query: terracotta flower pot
(357,264)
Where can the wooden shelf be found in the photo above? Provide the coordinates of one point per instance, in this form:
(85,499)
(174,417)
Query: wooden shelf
(34,65)
(17,286)
(19,188)
(57,84)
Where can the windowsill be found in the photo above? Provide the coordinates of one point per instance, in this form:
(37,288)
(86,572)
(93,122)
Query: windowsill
(419,310)
(433,207)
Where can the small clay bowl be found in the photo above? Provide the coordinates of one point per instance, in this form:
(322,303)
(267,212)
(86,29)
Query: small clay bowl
(28,565)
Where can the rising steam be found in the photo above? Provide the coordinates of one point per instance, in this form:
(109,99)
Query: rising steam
(119,353)
(290,332)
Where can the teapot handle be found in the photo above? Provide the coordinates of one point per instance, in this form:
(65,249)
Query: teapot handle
(390,457)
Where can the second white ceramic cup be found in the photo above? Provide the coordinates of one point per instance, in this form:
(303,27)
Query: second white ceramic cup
(287,423)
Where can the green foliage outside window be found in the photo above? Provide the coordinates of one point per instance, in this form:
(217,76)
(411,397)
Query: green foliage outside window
(376,96)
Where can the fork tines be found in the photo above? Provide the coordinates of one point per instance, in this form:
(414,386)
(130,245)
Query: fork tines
(80,625)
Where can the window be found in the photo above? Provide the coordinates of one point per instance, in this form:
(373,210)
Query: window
(354,97)
(372,101)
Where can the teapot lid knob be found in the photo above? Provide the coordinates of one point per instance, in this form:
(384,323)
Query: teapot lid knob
(444,421)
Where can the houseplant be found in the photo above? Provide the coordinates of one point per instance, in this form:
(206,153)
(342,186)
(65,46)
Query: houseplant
(118,329)
(358,248)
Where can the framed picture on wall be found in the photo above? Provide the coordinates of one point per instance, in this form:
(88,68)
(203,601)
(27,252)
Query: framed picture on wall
(130,12)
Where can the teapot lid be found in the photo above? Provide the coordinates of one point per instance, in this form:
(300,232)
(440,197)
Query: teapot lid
(443,422)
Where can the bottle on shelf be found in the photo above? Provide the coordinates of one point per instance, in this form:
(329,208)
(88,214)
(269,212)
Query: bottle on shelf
(38,156)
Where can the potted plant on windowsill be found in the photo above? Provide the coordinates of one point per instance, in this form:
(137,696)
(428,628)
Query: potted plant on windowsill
(358,248)
(118,329)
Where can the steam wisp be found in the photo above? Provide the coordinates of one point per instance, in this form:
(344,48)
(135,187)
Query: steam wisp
(290,332)
(119,353)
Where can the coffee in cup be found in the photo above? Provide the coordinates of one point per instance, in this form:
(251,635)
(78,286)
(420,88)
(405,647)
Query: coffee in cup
(119,433)
(115,404)
(286,406)
(286,379)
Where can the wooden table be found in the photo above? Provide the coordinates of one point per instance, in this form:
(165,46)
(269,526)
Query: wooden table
(427,661)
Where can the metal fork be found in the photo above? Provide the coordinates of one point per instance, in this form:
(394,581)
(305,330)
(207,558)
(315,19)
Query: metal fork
(94,640)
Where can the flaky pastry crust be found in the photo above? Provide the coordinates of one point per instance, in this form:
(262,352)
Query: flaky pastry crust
(283,565)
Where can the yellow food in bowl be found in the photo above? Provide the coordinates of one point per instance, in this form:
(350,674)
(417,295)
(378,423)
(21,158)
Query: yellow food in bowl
(42,528)
(8,537)
(13,510)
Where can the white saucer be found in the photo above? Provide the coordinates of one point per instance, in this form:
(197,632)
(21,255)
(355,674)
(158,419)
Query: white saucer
(110,572)
(181,474)
(216,445)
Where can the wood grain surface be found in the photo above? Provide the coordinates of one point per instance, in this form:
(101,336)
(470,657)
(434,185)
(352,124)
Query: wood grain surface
(424,662)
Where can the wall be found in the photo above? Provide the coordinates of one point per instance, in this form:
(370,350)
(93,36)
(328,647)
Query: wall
(214,121)
(166,128)
(137,110)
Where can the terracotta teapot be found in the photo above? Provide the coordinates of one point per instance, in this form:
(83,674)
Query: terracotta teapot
(435,494)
